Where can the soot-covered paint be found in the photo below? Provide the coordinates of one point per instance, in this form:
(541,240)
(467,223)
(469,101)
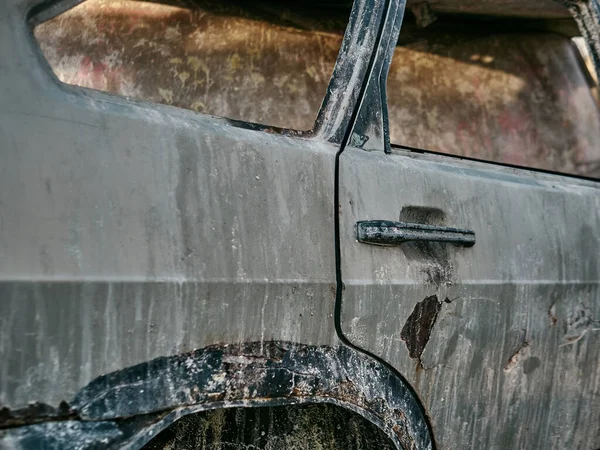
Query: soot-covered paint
(135,404)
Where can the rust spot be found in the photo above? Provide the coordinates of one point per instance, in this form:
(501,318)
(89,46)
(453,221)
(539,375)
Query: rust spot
(418,326)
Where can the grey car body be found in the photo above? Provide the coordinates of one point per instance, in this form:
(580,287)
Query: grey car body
(160,262)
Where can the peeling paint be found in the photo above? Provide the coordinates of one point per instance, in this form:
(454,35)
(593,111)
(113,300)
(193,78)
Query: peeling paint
(145,399)
(521,352)
(418,326)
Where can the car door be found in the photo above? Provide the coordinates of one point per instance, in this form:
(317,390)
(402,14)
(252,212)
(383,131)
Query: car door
(156,262)
(482,287)
(131,230)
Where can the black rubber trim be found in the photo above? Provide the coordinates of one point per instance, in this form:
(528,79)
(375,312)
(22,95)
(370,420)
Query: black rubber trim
(336,223)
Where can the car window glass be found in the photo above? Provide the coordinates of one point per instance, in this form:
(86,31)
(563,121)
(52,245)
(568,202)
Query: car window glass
(522,97)
(249,61)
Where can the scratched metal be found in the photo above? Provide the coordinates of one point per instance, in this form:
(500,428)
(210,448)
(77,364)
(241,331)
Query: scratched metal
(508,354)
(142,231)
(103,200)
(132,231)
(523,97)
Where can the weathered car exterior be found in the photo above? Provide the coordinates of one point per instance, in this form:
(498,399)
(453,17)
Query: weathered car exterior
(157,262)
(507,93)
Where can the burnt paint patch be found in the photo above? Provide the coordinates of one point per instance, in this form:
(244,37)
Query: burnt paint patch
(35,413)
(423,215)
(143,400)
(417,329)
(431,258)
(578,323)
(437,274)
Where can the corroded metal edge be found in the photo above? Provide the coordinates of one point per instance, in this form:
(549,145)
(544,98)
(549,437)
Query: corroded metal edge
(127,408)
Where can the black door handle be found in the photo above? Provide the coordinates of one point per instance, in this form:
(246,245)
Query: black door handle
(386,232)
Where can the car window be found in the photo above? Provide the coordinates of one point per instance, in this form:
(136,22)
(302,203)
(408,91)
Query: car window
(245,61)
(504,95)
(511,96)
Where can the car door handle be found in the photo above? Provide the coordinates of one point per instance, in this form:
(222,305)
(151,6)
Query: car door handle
(388,233)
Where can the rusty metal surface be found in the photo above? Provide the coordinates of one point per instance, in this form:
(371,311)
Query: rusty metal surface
(144,231)
(518,98)
(265,373)
(35,413)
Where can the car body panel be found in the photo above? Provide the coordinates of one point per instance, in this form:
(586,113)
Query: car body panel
(134,233)
(500,340)
(131,231)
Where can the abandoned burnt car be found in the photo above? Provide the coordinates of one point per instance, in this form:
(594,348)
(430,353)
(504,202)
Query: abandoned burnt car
(268,224)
